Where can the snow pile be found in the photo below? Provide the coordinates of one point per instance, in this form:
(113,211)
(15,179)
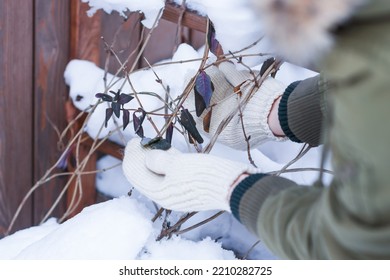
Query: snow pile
(116,229)
(150,8)
(12,245)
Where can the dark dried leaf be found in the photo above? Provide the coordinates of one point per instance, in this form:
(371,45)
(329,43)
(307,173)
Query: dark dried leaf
(109,112)
(266,65)
(169,133)
(104,97)
(214,45)
(157,143)
(124,98)
(116,94)
(206,121)
(117,109)
(137,122)
(189,124)
(203,91)
(126,118)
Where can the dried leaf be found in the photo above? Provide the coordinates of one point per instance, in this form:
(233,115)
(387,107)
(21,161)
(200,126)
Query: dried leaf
(126,118)
(157,143)
(214,45)
(117,109)
(169,133)
(203,91)
(189,124)
(116,94)
(124,98)
(137,122)
(266,65)
(207,121)
(109,112)
(104,97)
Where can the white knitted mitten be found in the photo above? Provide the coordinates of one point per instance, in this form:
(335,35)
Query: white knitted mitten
(181,181)
(254,115)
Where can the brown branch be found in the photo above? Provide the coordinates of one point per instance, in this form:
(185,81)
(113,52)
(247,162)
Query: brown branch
(248,145)
(200,223)
(169,231)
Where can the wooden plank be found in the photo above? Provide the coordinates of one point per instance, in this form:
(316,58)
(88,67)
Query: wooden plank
(85,33)
(197,38)
(108,147)
(122,37)
(50,57)
(85,42)
(162,43)
(190,19)
(16,135)
(177,25)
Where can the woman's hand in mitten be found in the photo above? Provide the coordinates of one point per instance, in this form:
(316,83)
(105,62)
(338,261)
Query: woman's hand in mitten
(182,181)
(227,81)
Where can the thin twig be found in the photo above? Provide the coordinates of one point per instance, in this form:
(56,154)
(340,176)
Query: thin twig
(303,169)
(176,226)
(303,152)
(251,249)
(158,214)
(248,145)
(200,223)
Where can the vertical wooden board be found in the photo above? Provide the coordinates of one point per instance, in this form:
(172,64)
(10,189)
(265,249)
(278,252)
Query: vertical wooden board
(52,19)
(162,43)
(122,37)
(16,58)
(197,39)
(85,33)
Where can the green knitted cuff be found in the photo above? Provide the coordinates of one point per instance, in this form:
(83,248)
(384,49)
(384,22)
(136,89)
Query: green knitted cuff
(282,112)
(239,191)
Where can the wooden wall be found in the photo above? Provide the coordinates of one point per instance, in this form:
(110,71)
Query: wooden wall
(34,50)
(16,110)
(37,40)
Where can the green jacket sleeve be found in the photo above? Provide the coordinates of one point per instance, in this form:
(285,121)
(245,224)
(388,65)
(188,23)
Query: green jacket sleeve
(301,110)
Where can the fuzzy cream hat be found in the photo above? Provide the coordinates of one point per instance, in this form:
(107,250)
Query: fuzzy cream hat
(300,30)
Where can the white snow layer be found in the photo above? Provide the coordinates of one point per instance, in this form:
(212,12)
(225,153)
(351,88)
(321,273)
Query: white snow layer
(117,229)
(150,8)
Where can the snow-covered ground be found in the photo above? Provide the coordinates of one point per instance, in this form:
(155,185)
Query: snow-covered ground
(121,228)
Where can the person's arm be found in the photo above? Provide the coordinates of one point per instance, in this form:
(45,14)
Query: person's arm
(299,112)
(350,218)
